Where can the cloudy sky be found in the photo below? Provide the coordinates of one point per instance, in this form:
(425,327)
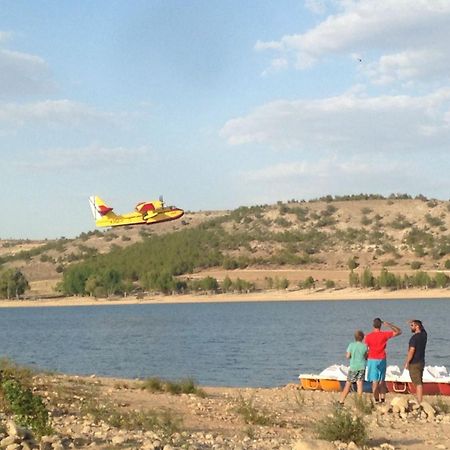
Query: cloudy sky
(217,104)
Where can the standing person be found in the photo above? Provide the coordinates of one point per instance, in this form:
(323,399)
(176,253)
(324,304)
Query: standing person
(415,359)
(376,359)
(357,353)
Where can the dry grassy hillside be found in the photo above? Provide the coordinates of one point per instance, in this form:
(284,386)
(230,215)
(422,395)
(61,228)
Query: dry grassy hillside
(393,233)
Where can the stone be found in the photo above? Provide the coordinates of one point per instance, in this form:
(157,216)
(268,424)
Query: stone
(118,440)
(313,444)
(8,441)
(428,409)
(13,447)
(399,404)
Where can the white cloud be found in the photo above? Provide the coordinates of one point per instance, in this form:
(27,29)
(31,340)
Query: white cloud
(4,36)
(421,64)
(316,6)
(51,113)
(94,158)
(372,27)
(22,75)
(335,175)
(351,122)
(323,168)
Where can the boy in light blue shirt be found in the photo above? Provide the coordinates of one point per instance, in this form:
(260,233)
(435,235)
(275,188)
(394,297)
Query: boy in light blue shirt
(357,353)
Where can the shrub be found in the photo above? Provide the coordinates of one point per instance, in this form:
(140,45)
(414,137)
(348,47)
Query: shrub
(330,284)
(28,409)
(309,283)
(251,414)
(441,280)
(441,406)
(161,422)
(415,265)
(353,279)
(400,222)
(184,386)
(352,263)
(363,405)
(367,278)
(342,426)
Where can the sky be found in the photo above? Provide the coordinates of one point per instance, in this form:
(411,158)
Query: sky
(217,104)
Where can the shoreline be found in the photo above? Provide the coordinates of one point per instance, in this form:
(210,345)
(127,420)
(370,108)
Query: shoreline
(346,294)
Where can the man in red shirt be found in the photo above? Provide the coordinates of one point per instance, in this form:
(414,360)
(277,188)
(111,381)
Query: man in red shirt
(376,358)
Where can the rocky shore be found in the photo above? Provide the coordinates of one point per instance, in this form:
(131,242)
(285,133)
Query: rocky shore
(104,413)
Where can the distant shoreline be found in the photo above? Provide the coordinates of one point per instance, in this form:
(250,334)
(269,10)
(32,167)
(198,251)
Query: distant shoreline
(346,294)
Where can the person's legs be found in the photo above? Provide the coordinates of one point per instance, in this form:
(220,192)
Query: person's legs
(345,391)
(416,374)
(376,390)
(419,393)
(359,387)
(383,391)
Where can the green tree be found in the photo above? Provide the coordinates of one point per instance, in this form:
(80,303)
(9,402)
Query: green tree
(441,280)
(227,284)
(367,278)
(353,279)
(388,280)
(353,263)
(13,283)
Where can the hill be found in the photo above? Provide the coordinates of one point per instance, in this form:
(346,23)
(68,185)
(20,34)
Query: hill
(293,240)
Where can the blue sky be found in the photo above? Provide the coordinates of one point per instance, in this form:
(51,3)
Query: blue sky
(217,104)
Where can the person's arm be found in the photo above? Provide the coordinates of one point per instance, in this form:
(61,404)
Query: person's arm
(409,356)
(397,331)
(348,355)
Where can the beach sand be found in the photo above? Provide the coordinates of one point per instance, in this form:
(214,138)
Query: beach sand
(298,295)
(225,418)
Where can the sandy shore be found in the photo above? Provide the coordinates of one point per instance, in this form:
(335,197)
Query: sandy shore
(85,410)
(300,295)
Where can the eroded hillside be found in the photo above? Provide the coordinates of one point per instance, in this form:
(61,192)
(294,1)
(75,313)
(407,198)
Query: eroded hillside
(317,236)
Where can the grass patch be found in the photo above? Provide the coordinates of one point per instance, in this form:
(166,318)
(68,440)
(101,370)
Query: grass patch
(9,370)
(27,408)
(363,405)
(341,425)
(163,422)
(441,405)
(299,398)
(184,386)
(251,414)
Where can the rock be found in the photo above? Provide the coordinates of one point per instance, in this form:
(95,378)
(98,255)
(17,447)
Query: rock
(13,447)
(399,404)
(387,446)
(352,446)
(118,440)
(428,409)
(8,441)
(313,444)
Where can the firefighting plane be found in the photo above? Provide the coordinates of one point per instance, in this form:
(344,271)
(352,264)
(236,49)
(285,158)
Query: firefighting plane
(145,213)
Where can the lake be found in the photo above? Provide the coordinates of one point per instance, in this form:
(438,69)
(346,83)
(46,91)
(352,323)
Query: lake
(218,344)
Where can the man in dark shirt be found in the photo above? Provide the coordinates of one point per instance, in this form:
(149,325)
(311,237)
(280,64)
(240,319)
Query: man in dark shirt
(415,359)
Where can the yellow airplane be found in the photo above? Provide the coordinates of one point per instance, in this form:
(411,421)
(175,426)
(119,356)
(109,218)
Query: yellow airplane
(145,213)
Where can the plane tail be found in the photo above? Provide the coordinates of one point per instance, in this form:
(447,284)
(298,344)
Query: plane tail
(99,208)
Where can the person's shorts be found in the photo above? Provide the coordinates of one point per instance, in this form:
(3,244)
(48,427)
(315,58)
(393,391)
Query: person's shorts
(376,369)
(416,372)
(356,375)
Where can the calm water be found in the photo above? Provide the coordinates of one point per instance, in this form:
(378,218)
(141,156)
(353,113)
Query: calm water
(227,344)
